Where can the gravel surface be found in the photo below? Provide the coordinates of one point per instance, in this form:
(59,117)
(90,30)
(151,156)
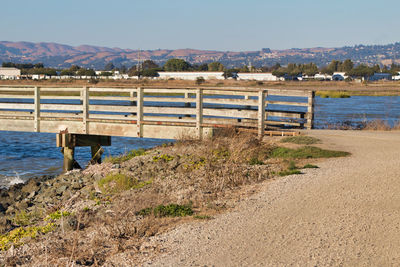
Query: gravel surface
(344,214)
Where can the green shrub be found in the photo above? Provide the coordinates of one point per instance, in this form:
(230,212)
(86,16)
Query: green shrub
(310,166)
(171,210)
(306,152)
(163,157)
(255,161)
(301,140)
(131,154)
(288,172)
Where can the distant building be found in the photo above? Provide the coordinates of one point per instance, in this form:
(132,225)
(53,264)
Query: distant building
(257,76)
(9,73)
(192,76)
(381,76)
(339,76)
(396,77)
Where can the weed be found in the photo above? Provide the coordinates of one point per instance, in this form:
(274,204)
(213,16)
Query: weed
(118,182)
(57,215)
(292,166)
(86,209)
(301,140)
(14,237)
(163,157)
(171,210)
(131,154)
(332,94)
(310,166)
(203,217)
(306,152)
(289,172)
(24,218)
(255,161)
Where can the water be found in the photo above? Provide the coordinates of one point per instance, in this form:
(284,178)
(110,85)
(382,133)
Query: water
(356,110)
(23,155)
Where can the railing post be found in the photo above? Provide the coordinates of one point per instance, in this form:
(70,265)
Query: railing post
(261,113)
(139,118)
(85,109)
(37,109)
(199,113)
(310,110)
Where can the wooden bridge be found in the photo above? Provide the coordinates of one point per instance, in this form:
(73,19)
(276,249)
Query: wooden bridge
(78,115)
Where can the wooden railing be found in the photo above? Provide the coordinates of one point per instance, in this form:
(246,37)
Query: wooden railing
(152,112)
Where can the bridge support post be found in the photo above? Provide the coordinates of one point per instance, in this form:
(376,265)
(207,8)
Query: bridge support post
(68,142)
(310,110)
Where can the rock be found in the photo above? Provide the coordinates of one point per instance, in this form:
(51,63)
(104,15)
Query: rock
(32,195)
(10,210)
(116,166)
(76,186)
(2,208)
(60,190)
(5,224)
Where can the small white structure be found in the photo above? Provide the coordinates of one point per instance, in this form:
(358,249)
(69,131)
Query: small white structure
(192,76)
(9,73)
(257,76)
(396,77)
(339,76)
(322,77)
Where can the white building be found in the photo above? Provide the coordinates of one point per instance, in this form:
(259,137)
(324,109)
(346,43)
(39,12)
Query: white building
(191,75)
(396,77)
(339,76)
(9,73)
(257,76)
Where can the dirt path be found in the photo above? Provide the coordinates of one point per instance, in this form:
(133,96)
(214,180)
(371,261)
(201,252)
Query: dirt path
(347,213)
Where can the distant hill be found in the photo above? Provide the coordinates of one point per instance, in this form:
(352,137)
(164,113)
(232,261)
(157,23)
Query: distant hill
(59,55)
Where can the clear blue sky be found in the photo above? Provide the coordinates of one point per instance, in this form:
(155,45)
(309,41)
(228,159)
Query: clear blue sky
(203,24)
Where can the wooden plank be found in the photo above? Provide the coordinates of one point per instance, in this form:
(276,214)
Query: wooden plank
(114,98)
(16,106)
(8,96)
(249,114)
(284,114)
(112,90)
(65,107)
(61,89)
(109,108)
(286,103)
(170,110)
(169,99)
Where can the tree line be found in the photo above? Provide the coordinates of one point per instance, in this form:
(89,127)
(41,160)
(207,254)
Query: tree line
(149,68)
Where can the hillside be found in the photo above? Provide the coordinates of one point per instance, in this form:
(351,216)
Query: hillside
(59,55)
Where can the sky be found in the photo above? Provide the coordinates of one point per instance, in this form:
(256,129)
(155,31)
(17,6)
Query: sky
(202,24)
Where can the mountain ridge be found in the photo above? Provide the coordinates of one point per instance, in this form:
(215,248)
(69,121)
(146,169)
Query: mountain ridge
(61,55)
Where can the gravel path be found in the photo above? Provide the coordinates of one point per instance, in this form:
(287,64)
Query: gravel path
(344,214)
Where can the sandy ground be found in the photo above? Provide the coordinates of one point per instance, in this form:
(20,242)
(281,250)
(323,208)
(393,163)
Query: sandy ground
(347,213)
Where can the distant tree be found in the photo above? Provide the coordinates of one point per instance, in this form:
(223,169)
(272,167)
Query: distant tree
(244,69)
(202,67)
(74,68)
(149,64)
(38,65)
(347,65)
(150,73)
(176,64)
(361,71)
(66,72)
(86,72)
(109,66)
(123,69)
(215,66)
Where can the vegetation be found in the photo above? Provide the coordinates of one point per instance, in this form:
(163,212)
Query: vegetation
(131,154)
(306,153)
(176,64)
(332,94)
(171,210)
(301,140)
(310,166)
(119,182)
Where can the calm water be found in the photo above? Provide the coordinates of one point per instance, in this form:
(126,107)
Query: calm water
(23,155)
